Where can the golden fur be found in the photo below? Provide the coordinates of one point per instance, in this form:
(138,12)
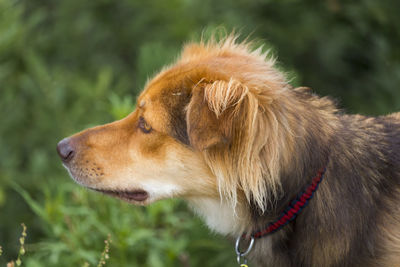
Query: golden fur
(223,129)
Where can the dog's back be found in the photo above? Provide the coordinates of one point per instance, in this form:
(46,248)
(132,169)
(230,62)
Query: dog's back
(354,219)
(373,167)
(390,221)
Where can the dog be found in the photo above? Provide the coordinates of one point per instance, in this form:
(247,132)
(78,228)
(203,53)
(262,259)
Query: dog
(299,182)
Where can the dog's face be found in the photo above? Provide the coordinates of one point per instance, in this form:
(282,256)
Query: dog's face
(147,155)
(197,132)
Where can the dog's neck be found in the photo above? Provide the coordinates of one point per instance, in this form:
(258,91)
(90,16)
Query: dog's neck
(313,132)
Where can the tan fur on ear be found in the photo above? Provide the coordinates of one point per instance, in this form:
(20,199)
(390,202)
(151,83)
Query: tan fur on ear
(204,127)
(211,111)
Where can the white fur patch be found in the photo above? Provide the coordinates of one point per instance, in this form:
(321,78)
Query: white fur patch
(219,215)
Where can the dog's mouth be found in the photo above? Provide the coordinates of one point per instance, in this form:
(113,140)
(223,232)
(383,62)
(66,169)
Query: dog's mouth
(135,195)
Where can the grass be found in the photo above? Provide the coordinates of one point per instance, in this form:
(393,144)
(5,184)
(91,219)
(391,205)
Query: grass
(75,222)
(102,262)
(21,251)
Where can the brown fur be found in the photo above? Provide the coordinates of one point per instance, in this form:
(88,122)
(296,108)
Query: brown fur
(231,136)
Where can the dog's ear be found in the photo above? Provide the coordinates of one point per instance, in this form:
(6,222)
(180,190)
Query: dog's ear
(211,112)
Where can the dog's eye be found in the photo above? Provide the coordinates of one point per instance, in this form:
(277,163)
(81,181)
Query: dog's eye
(144,126)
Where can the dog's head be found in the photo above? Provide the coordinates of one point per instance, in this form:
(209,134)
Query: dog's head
(200,129)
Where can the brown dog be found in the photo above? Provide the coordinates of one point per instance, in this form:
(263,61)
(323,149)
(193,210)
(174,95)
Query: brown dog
(224,130)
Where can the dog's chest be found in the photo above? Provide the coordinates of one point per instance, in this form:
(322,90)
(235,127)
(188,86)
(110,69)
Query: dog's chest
(221,218)
(218,215)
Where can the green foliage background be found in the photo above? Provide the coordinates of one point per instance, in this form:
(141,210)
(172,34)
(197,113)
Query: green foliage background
(67,65)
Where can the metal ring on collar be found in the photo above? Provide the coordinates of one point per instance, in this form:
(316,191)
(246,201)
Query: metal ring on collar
(247,251)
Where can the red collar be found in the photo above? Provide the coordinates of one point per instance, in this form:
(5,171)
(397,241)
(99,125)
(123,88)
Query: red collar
(294,208)
(288,215)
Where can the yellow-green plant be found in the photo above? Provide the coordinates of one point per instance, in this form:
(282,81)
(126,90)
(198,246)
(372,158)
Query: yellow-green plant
(104,255)
(21,252)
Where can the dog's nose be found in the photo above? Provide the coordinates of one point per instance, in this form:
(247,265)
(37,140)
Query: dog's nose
(65,150)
